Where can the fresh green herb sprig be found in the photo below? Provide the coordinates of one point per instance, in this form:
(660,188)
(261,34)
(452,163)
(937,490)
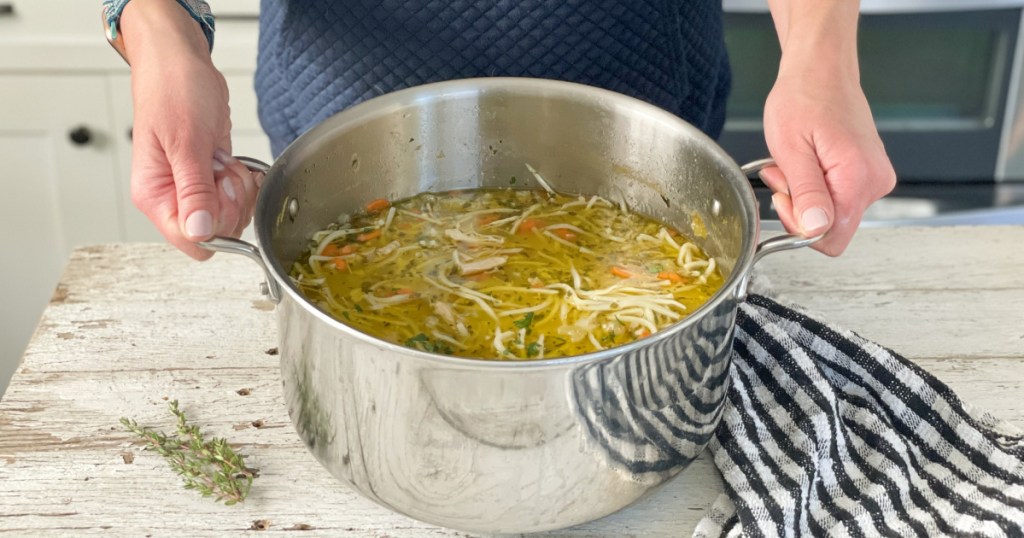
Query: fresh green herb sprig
(210,467)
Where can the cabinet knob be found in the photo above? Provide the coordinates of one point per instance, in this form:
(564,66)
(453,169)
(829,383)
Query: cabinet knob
(6,9)
(80,135)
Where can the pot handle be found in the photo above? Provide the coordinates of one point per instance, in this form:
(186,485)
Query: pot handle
(775,244)
(230,245)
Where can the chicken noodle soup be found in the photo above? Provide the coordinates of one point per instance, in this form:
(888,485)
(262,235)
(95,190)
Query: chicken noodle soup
(505,274)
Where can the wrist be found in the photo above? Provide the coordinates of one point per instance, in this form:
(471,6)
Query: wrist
(161,29)
(818,37)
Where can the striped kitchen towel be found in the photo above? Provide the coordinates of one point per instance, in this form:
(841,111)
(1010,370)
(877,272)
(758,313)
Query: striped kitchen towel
(828,434)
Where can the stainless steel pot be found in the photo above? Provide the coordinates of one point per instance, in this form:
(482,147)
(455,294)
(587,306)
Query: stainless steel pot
(494,446)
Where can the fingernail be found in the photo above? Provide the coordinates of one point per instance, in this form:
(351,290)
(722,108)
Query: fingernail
(228,188)
(199,224)
(218,166)
(775,201)
(258,177)
(222,156)
(813,219)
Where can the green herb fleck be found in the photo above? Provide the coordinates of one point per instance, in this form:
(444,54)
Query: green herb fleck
(210,467)
(525,322)
(358,308)
(532,349)
(512,180)
(424,343)
(419,338)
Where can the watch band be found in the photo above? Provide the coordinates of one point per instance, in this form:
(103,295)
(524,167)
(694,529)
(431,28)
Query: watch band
(111,15)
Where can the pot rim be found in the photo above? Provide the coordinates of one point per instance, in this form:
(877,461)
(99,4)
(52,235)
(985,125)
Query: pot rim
(389,103)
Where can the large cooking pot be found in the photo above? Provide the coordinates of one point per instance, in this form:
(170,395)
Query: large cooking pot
(503,446)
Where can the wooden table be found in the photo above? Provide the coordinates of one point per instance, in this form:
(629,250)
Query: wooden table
(133,325)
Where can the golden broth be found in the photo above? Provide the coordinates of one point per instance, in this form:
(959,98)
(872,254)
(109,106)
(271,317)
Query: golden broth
(504,274)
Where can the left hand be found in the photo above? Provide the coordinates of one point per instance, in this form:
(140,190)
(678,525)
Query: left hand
(831,162)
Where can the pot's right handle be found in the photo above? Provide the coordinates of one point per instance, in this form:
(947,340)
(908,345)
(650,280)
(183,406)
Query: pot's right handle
(230,245)
(774,244)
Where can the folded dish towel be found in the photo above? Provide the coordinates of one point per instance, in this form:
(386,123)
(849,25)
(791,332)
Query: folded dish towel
(828,434)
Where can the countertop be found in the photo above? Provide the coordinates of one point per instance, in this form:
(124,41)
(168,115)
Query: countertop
(132,325)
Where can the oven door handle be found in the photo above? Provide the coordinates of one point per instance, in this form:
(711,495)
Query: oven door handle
(873,7)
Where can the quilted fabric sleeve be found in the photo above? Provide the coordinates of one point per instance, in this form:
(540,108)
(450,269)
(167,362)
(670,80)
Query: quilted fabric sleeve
(198,9)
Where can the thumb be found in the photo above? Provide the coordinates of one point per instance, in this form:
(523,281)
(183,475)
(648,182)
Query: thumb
(197,195)
(813,210)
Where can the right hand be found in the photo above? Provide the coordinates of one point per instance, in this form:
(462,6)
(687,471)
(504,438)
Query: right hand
(183,176)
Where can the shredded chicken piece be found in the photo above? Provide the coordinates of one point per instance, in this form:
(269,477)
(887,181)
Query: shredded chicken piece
(479,266)
(446,312)
(473,238)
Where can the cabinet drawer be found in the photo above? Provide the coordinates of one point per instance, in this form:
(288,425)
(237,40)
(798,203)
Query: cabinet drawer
(22,18)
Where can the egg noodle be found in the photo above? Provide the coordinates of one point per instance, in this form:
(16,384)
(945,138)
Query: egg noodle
(504,274)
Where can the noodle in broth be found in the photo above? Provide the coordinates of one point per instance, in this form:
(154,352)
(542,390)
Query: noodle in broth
(505,274)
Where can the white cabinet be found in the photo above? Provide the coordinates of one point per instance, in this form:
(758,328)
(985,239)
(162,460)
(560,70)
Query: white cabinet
(65,149)
(59,190)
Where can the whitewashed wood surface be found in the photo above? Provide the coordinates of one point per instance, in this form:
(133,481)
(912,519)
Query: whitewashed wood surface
(130,326)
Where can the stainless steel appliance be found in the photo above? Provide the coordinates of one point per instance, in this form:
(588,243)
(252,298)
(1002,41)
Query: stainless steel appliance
(944,81)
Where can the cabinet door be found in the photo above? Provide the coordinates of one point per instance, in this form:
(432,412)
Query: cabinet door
(58,192)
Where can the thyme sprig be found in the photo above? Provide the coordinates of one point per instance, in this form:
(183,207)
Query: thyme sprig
(210,467)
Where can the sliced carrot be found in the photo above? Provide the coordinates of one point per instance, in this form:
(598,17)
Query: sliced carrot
(622,272)
(392,292)
(331,250)
(645,333)
(340,264)
(349,249)
(563,233)
(671,275)
(528,225)
(368,236)
(378,205)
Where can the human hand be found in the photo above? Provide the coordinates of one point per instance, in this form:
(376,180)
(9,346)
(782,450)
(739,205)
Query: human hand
(183,176)
(818,126)
(831,162)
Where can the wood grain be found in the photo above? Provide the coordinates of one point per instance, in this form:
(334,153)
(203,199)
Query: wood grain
(131,326)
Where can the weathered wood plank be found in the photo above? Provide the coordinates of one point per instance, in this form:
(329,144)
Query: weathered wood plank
(130,325)
(902,259)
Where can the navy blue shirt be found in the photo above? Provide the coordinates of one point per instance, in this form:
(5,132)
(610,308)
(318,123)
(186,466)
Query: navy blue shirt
(317,57)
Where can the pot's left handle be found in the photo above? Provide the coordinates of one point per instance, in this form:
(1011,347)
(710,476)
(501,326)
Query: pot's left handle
(775,244)
(230,245)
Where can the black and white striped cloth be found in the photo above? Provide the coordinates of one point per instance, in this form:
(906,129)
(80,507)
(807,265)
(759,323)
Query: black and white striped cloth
(828,434)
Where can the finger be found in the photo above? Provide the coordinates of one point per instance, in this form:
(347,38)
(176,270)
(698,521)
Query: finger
(812,201)
(153,191)
(232,163)
(839,236)
(245,178)
(256,183)
(197,194)
(230,209)
(783,205)
(773,178)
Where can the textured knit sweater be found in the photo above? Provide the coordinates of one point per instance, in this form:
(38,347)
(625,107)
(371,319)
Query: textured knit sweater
(317,57)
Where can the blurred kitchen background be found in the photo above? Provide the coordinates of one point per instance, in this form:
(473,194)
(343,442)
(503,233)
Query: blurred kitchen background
(943,78)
